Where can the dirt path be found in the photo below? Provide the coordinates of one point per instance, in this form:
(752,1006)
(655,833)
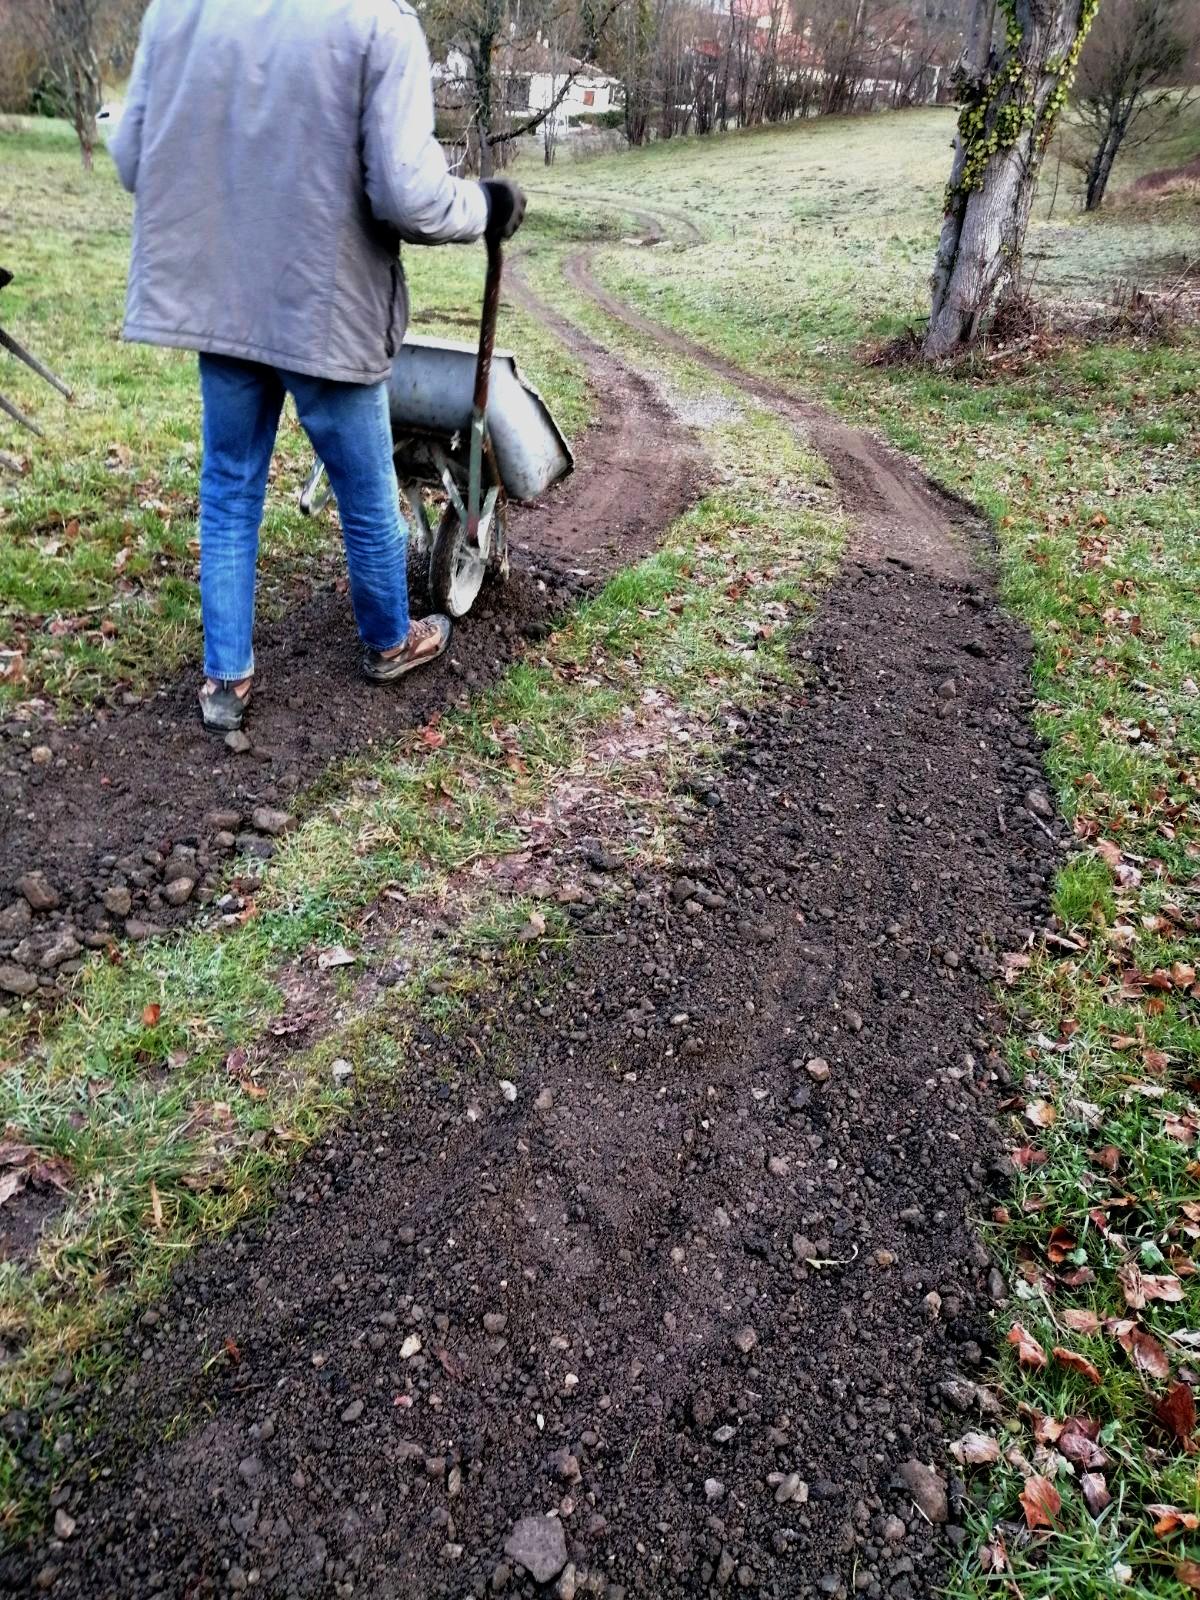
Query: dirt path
(703,1291)
(127,800)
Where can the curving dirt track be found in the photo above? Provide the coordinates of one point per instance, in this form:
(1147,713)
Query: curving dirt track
(129,793)
(698,1300)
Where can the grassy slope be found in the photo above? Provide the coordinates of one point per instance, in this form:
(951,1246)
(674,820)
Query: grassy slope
(98,539)
(1085,458)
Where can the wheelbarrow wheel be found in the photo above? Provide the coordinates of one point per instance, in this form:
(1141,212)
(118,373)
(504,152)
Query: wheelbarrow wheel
(456,570)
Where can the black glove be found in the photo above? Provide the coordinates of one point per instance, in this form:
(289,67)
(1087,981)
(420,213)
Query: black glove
(506,208)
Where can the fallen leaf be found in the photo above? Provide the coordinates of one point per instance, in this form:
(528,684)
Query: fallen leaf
(1169,1520)
(1046,1430)
(1155,1060)
(232,1351)
(1162,1286)
(975,1450)
(1077,1363)
(1078,1278)
(533,929)
(254,1090)
(1188,1572)
(1129,1276)
(1109,1158)
(1082,1321)
(11,1183)
(1077,1442)
(993,1556)
(150,1015)
(1144,1351)
(1176,1411)
(1041,1502)
(433,738)
(1041,1113)
(1095,1492)
(1029,1351)
(1025,1156)
(1060,1244)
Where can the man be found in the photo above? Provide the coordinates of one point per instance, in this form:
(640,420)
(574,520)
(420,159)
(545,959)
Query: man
(279,152)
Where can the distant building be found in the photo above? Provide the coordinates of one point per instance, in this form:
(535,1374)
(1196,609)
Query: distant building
(532,76)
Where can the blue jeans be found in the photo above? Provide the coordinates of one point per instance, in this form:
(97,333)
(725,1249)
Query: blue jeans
(349,429)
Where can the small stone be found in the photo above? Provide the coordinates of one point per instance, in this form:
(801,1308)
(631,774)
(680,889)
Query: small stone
(276,823)
(353,1411)
(724,1433)
(15,920)
(65,948)
(64,1524)
(137,930)
(745,1339)
(179,891)
(884,1258)
(342,1071)
(16,980)
(818,1069)
(947,690)
(927,1488)
(894,1530)
(509,1090)
(539,1545)
(714,1489)
(38,892)
(411,1347)
(788,1489)
(249,1469)
(41,755)
(803,1248)
(544,1101)
(1040,803)
(238,742)
(118,901)
(224,821)
(494,1323)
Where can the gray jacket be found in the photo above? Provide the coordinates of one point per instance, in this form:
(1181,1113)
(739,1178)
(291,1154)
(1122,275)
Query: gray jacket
(279,151)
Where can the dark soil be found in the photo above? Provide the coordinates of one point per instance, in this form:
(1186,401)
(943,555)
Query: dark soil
(131,800)
(691,1294)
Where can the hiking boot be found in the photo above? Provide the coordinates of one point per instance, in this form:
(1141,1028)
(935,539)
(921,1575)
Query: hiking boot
(223,705)
(426,641)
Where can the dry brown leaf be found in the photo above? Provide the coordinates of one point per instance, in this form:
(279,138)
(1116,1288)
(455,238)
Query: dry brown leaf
(1176,1413)
(1162,1286)
(1188,1573)
(1077,1442)
(1129,1276)
(1045,1429)
(156,1205)
(1169,1520)
(1060,1244)
(1029,1351)
(1109,1158)
(1041,1113)
(1144,1350)
(993,1556)
(1077,1363)
(1041,1502)
(1081,1321)
(1095,1492)
(1026,1156)
(150,1015)
(975,1450)
(1078,1277)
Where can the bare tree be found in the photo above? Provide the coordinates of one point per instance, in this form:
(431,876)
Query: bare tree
(1128,80)
(69,36)
(1010,96)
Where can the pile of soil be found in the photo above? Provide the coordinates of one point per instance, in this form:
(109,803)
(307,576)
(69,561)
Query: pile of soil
(124,825)
(699,1290)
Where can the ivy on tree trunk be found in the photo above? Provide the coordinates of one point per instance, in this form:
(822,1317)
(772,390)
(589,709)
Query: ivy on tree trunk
(1010,95)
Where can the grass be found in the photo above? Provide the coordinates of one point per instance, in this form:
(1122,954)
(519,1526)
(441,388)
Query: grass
(1083,454)
(98,539)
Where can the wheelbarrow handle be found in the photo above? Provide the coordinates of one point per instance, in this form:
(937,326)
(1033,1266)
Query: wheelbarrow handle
(487,323)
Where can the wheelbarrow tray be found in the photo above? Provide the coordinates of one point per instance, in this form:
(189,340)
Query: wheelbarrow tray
(431,391)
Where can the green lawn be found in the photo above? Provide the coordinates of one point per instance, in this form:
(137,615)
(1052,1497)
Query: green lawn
(1083,453)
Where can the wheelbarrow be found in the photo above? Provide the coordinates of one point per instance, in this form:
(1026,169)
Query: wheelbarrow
(467,426)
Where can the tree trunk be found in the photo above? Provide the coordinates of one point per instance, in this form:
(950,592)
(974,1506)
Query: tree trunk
(1009,101)
(1100,170)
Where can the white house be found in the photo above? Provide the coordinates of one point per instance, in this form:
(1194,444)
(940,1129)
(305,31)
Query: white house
(533,76)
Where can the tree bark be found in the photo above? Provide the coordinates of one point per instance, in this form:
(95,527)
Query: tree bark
(1101,169)
(1010,97)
